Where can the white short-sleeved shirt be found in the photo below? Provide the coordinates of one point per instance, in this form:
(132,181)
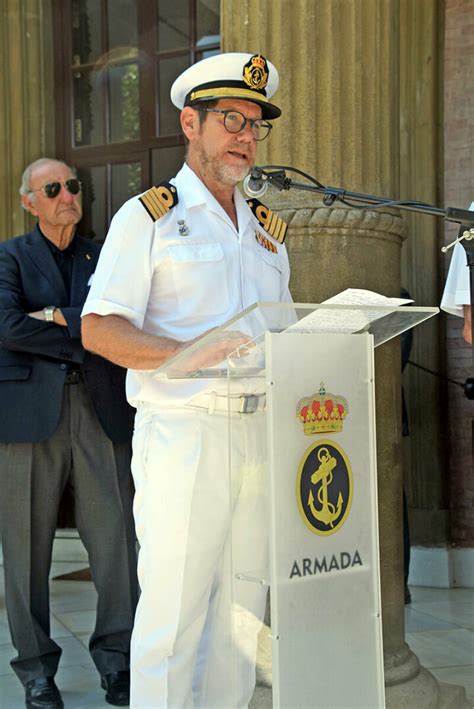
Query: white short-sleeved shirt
(179,285)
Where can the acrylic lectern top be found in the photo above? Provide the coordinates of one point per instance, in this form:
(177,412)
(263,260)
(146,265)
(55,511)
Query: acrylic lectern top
(236,348)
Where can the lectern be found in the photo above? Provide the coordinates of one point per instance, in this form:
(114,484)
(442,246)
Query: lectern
(303,524)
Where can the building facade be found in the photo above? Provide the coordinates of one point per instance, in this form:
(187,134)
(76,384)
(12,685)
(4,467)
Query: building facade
(376,98)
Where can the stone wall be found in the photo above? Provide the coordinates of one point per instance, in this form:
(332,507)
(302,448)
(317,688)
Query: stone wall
(459,191)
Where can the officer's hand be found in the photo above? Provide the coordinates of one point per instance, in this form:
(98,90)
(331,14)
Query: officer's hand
(219,346)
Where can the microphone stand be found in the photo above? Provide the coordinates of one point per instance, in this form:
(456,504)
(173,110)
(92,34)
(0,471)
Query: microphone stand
(278,179)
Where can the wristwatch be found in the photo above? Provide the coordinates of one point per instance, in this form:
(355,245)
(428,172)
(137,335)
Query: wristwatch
(48,313)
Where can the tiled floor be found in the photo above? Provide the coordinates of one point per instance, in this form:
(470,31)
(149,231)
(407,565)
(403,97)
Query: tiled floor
(439,629)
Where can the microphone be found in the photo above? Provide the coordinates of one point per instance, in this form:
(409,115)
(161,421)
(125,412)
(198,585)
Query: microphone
(256,183)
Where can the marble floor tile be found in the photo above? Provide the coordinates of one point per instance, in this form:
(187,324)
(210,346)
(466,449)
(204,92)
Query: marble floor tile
(58,629)
(83,600)
(80,688)
(7,651)
(4,633)
(59,568)
(78,621)
(417,620)
(456,612)
(421,594)
(443,648)
(58,587)
(462,676)
(74,653)
(12,694)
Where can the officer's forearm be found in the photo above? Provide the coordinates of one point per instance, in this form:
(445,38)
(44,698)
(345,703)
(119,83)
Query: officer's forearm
(119,341)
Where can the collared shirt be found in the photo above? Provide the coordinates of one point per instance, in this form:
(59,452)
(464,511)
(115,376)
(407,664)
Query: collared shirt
(64,259)
(183,274)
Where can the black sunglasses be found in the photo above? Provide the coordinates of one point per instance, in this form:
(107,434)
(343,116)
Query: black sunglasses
(52,189)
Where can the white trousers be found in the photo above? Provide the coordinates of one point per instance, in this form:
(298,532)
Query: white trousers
(195,634)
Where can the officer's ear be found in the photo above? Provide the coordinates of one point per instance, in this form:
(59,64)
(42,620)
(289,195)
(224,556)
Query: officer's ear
(190,123)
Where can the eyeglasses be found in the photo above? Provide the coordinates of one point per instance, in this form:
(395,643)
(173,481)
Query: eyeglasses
(52,189)
(235,121)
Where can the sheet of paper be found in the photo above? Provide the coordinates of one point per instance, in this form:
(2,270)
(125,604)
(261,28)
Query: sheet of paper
(351,319)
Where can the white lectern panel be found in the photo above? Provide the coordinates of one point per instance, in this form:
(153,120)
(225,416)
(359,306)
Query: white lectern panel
(324,566)
(300,487)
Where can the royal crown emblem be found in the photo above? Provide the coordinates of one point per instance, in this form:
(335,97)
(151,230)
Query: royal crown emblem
(323,412)
(255,72)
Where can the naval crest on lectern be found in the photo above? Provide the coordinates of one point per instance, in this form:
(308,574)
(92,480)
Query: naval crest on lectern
(324,487)
(323,412)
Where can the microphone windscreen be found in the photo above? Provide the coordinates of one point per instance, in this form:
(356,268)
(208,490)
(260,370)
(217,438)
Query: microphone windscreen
(254,187)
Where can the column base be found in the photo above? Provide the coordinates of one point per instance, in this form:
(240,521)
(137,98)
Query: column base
(408,685)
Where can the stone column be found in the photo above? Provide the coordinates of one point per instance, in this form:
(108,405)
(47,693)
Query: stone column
(421,170)
(26,101)
(339,91)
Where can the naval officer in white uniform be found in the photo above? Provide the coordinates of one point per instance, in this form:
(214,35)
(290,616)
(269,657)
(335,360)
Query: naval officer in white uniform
(457,295)
(181,259)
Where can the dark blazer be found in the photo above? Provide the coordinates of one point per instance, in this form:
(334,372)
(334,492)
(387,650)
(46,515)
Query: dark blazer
(35,355)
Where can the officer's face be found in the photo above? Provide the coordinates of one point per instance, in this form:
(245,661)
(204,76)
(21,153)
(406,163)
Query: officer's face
(227,157)
(61,211)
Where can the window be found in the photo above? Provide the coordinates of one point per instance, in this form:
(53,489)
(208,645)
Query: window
(115,62)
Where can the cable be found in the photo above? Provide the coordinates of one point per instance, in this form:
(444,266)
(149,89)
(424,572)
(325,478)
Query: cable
(298,172)
(436,374)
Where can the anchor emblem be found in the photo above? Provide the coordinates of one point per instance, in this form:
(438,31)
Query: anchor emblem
(324,487)
(327,513)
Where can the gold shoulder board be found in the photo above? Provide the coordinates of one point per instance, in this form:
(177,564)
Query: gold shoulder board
(159,200)
(273,225)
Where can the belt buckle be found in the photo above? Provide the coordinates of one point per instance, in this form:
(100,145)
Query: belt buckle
(249,404)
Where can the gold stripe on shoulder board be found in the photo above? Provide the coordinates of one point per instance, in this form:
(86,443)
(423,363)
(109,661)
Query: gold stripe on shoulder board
(159,200)
(273,225)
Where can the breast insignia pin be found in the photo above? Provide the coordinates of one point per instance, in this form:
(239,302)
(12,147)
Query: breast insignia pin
(182,228)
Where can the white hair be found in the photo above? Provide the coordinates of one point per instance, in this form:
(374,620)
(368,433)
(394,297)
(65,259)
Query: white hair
(25,187)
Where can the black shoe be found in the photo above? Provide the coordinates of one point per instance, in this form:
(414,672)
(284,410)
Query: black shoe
(117,688)
(42,693)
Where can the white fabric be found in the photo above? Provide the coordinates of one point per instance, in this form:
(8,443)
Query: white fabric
(218,68)
(190,609)
(179,286)
(457,288)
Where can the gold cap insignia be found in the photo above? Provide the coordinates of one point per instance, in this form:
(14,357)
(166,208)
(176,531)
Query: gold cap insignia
(255,72)
(323,412)
(159,200)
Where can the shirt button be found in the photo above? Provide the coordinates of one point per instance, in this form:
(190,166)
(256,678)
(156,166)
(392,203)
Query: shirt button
(63,366)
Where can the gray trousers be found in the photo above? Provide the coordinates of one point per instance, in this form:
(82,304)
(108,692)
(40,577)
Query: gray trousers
(32,479)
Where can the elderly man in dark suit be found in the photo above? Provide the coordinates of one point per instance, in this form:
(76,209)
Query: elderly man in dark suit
(63,418)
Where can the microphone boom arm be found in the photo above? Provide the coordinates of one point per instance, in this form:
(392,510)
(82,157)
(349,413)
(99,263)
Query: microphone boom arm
(275,175)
